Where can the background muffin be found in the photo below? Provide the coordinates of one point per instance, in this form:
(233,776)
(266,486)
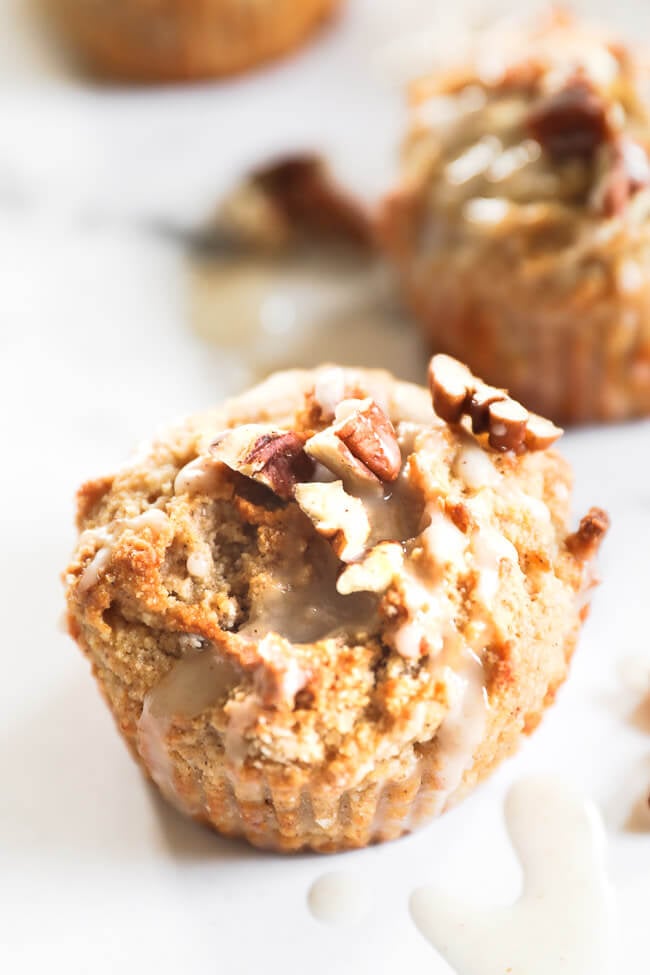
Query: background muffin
(322,613)
(168,40)
(522,227)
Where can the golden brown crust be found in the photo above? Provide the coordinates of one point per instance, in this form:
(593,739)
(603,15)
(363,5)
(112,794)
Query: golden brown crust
(521,228)
(182,40)
(249,718)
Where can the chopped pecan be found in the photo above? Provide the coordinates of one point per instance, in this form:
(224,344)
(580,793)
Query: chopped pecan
(330,451)
(508,422)
(275,458)
(368,433)
(375,572)
(585,542)
(570,122)
(479,408)
(456,394)
(360,447)
(449,381)
(336,515)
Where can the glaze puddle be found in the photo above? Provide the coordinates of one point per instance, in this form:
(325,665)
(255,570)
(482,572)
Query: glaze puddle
(563,920)
(339,898)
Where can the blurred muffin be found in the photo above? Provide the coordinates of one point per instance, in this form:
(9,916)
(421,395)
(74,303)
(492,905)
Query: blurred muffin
(178,40)
(522,227)
(321,613)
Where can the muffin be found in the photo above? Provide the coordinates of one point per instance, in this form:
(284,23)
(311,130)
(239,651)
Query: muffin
(179,40)
(521,229)
(322,612)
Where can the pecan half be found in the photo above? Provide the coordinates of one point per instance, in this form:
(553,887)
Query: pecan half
(360,447)
(457,394)
(275,458)
(585,542)
(570,122)
(370,436)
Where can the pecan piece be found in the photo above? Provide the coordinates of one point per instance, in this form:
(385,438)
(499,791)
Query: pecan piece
(480,404)
(368,433)
(570,122)
(330,451)
(275,458)
(585,542)
(450,382)
(336,515)
(456,394)
(507,425)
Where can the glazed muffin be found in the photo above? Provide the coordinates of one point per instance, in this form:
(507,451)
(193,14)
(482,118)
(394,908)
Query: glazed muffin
(172,40)
(521,230)
(321,613)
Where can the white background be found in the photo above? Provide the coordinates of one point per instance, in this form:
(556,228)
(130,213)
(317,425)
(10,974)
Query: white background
(96,874)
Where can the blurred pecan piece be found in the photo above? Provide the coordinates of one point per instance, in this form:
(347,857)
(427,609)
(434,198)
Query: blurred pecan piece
(570,122)
(302,189)
(585,542)
(275,458)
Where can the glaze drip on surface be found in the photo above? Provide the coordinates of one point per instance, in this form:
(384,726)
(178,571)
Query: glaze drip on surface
(563,920)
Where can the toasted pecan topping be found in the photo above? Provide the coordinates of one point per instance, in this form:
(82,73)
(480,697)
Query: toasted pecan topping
(570,122)
(585,542)
(456,394)
(275,458)
(336,515)
(369,435)
(360,447)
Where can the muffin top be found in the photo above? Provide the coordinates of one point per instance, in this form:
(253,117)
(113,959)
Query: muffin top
(543,132)
(324,568)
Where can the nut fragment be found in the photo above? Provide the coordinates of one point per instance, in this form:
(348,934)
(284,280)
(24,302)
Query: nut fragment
(336,515)
(275,458)
(480,405)
(456,394)
(449,381)
(375,573)
(330,451)
(585,542)
(540,432)
(570,122)
(369,435)
(508,425)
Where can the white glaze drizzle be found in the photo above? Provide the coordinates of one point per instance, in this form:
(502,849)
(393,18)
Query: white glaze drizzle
(197,681)
(339,898)
(107,536)
(462,730)
(563,920)
(200,476)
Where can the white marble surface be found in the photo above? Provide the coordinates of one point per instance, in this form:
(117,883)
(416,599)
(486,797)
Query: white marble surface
(97,874)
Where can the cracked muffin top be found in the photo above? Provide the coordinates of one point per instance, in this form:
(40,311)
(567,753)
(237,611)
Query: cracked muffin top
(360,566)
